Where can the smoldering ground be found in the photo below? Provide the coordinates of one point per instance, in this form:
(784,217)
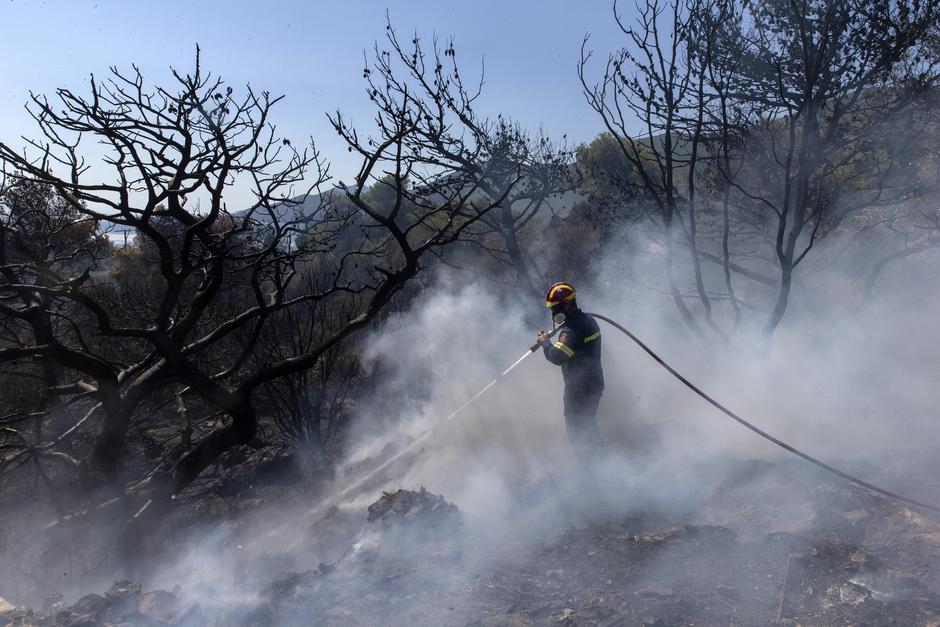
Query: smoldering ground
(685,488)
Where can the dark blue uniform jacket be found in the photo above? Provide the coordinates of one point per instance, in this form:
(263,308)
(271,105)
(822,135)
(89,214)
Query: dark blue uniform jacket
(577,349)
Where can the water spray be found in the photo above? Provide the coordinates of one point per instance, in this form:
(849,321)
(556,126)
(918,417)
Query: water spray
(558,320)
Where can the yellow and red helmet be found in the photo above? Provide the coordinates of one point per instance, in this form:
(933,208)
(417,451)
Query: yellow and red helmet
(560,293)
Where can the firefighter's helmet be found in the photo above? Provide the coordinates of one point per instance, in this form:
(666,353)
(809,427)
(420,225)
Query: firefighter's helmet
(560,293)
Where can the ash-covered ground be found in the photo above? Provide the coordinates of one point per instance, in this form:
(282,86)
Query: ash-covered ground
(769,543)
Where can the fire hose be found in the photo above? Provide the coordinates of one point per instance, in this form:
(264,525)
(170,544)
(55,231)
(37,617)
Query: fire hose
(711,401)
(761,432)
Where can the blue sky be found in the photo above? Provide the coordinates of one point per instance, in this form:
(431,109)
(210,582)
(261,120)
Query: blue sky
(309,51)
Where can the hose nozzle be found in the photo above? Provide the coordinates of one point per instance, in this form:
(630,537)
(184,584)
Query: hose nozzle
(559,320)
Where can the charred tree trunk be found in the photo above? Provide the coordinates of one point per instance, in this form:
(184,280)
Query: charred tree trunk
(242,430)
(796,205)
(677,298)
(103,463)
(514,251)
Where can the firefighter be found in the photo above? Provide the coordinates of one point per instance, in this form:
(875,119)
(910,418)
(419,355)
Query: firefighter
(577,349)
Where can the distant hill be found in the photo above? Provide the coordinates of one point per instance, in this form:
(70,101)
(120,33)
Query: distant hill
(298,207)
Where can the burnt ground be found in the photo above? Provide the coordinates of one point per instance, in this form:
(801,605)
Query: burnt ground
(853,560)
(772,544)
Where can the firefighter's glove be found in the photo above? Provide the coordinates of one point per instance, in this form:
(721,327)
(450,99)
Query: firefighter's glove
(543,339)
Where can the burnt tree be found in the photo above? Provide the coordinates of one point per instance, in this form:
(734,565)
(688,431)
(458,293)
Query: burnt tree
(223,279)
(824,84)
(652,100)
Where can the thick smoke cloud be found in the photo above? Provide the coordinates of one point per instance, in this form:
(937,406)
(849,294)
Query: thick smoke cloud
(854,387)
